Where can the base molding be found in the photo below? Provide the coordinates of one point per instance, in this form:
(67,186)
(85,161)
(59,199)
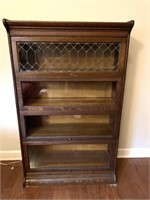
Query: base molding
(133,153)
(122,153)
(34,179)
(10,155)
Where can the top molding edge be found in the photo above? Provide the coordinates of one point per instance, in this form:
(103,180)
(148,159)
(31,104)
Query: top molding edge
(11,24)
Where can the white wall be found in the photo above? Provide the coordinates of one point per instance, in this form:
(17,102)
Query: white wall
(134,136)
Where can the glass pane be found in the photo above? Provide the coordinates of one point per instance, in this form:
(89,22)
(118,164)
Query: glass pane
(68,57)
(69,125)
(68,93)
(69,156)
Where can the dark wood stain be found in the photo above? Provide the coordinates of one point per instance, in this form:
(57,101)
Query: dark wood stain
(45,88)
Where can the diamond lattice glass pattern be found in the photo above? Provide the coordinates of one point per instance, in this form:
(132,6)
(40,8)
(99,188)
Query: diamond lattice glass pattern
(68,57)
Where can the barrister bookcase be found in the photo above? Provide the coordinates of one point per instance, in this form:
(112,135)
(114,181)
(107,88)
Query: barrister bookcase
(69,82)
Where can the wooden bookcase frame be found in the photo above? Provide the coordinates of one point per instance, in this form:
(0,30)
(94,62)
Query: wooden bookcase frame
(64,138)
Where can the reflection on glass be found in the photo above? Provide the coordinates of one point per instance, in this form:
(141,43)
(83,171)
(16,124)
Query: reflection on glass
(69,125)
(68,156)
(68,93)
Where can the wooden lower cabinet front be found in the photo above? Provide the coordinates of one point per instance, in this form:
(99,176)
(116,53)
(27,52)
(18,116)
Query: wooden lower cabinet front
(69,163)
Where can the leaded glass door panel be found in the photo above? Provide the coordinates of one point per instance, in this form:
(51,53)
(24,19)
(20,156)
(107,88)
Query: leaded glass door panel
(68,57)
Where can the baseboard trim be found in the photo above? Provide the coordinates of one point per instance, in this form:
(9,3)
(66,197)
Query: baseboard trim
(10,155)
(134,153)
(122,153)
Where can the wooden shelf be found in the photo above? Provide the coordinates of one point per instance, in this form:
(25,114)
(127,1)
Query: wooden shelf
(60,156)
(54,130)
(70,102)
(64,126)
(68,93)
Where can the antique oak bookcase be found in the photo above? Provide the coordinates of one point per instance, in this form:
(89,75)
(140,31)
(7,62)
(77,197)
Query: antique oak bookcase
(69,82)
